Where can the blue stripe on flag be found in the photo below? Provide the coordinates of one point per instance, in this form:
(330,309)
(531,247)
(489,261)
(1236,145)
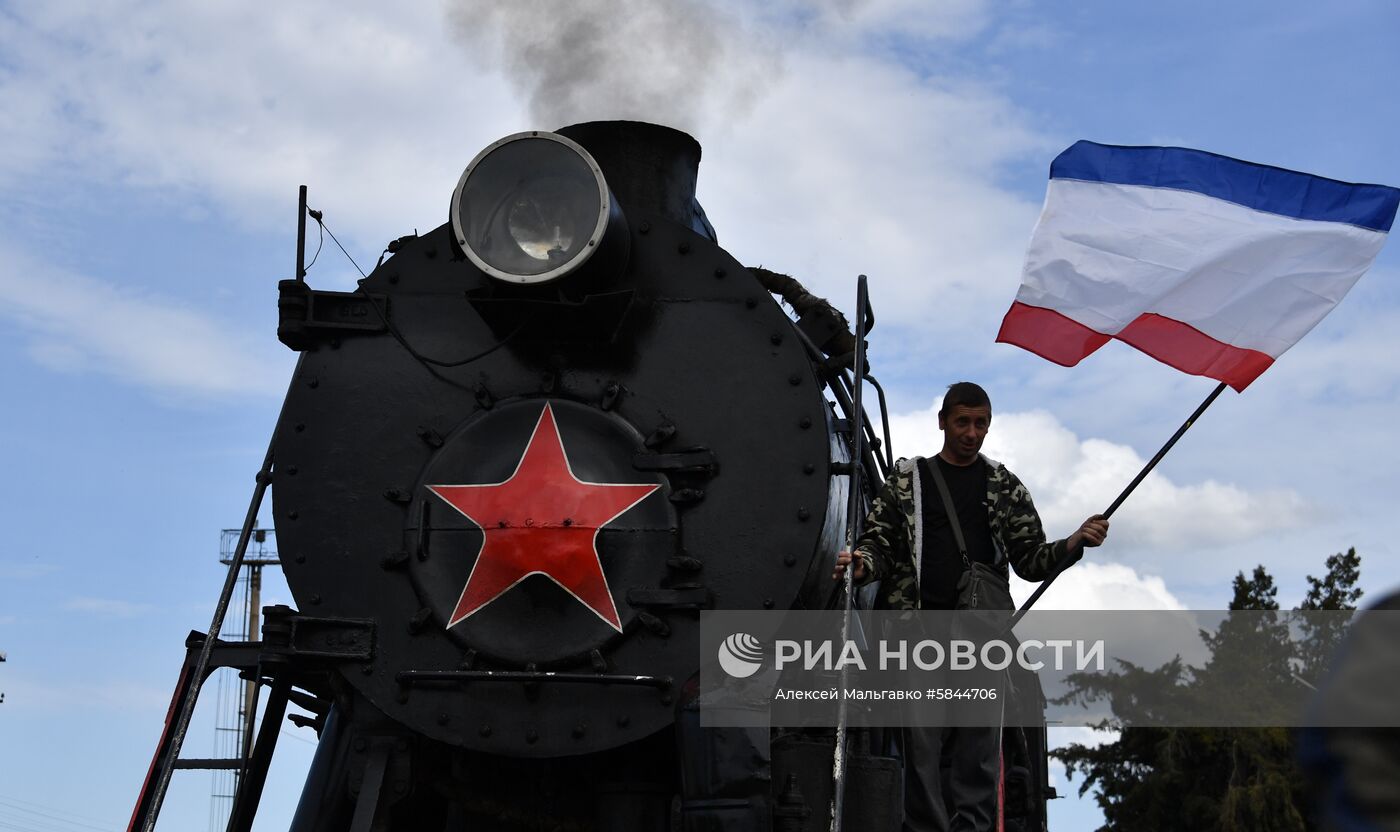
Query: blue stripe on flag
(1261,187)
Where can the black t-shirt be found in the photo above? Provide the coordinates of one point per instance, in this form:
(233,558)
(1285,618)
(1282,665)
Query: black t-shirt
(942,565)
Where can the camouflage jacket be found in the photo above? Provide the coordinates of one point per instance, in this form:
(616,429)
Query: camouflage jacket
(893,536)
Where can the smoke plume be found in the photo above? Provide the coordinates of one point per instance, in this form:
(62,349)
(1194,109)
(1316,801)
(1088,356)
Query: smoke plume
(673,62)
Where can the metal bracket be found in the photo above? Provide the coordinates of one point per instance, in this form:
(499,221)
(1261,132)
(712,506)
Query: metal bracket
(306,315)
(332,638)
(688,461)
(344,639)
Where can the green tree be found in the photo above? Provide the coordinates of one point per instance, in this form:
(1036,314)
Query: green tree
(1337,590)
(1209,778)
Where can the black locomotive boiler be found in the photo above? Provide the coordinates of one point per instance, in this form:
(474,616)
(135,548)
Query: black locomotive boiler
(582,422)
(511,468)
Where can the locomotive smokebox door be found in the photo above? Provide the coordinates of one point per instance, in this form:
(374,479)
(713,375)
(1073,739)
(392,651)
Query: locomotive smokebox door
(529,522)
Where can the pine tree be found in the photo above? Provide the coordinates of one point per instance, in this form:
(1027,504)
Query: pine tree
(1210,778)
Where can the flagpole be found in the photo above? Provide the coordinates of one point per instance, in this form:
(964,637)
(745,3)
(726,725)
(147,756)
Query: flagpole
(1070,557)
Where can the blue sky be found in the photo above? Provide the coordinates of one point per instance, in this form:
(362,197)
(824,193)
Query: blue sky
(152,152)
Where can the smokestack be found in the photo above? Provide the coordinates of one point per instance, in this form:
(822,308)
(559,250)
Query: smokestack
(651,169)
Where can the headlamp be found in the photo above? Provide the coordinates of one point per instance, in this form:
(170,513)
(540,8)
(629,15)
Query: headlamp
(532,208)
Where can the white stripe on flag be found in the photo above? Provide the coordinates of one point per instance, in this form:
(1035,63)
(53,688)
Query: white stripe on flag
(1103,254)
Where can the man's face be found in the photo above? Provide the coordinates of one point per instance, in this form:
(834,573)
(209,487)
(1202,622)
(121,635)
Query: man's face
(964,428)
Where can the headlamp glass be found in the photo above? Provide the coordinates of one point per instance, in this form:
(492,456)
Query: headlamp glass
(530,208)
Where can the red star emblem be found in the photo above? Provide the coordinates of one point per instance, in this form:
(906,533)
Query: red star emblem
(541,521)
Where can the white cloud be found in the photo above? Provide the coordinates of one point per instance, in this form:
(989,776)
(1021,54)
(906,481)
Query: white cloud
(852,20)
(1100,586)
(907,195)
(1072,478)
(222,106)
(79,324)
(226,105)
(106,607)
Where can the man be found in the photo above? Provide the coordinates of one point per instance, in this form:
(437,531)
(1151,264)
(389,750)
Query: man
(909,545)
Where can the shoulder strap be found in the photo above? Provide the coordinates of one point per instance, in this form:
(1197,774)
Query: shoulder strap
(948,507)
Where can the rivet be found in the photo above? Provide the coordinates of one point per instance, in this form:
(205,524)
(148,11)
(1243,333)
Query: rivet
(568,521)
(430,253)
(360,744)
(532,736)
(300,558)
(483,397)
(789,559)
(750,303)
(768,603)
(292,515)
(610,394)
(301,426)
(683,248)
(623,721)
(794,379)
(809,469)
(803,513)
(315,599)
(313,382)
(775,339)
(579,731)
(501,524)
(484,731)
(720,273)
(644,228)
(367,669)
(400,788)
(804,423)
(291,470)
(443,719)
(393,278)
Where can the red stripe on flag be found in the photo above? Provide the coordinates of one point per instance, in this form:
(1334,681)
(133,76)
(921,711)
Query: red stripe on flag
(1055,337)
(1049,334)
(1192,351)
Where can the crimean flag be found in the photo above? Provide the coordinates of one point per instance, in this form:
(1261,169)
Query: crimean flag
(1210,264)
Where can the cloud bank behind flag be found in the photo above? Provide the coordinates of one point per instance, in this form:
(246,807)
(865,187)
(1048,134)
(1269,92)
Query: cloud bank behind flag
(1210,264)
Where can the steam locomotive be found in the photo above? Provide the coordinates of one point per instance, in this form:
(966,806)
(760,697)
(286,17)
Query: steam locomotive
(511,468)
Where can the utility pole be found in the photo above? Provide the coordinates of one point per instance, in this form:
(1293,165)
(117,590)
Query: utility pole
(250,687)
(237,701)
